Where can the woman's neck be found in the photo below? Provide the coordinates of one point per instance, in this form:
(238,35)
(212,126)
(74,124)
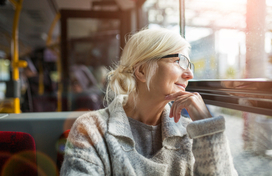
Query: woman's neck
(146,110)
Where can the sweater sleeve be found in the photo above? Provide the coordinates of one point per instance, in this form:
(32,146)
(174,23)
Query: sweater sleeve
(85,152)
(210,147)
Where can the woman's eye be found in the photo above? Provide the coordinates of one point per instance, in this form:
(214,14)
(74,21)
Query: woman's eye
(177,61)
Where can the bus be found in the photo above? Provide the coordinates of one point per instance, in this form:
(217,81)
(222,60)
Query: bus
(55,55)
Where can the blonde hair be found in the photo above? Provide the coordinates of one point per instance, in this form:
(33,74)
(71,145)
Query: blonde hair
(145,47)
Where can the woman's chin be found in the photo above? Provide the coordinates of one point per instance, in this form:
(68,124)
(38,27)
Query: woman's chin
(179,89)
(174,90)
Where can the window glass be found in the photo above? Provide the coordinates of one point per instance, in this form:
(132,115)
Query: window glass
(250,140)
(161,13)
(93,47)
(4,69)
(230,39)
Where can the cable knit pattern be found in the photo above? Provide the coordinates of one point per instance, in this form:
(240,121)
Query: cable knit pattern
(101,143)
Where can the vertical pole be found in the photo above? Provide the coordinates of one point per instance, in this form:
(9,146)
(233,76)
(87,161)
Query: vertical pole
(182,17)
(255,39)
(125,26)
(141,17)
(59,94)
(48,43)
(65,76)
(15,50)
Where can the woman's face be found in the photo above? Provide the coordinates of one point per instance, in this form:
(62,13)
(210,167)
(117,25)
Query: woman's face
(170,77)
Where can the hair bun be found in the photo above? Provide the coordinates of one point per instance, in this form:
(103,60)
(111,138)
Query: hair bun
(121,81)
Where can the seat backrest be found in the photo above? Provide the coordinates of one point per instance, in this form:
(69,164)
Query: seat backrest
(17,154)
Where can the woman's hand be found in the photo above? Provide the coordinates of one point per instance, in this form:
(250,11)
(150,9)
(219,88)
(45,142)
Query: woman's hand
(192,102)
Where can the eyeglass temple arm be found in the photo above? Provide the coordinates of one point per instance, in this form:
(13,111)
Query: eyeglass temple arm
(171,55)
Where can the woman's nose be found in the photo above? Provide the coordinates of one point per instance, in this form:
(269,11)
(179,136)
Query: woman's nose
(187,74)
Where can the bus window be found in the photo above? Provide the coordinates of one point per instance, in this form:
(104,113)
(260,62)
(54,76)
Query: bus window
(229,39)
(231,50)
(161,13)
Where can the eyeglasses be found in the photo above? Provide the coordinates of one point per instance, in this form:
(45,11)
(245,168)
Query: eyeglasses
(183,61)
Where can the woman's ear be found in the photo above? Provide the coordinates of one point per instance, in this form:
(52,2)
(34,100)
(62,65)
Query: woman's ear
(140,73)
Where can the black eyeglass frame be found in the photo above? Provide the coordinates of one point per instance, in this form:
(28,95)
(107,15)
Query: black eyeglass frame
(190,64)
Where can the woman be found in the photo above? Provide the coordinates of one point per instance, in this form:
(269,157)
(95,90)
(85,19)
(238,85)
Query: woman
(139,133)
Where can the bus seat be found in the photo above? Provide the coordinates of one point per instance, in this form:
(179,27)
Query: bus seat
(17,154)
(61,147)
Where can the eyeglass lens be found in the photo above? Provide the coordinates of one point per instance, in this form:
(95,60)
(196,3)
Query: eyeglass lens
(185,63)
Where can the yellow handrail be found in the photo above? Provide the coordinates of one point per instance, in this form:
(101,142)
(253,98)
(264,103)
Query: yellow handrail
(14,48)
(41,85)
(48,42)
(14,3)
(49,36)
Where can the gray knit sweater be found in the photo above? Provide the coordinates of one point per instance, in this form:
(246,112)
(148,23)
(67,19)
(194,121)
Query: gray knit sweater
(101,143)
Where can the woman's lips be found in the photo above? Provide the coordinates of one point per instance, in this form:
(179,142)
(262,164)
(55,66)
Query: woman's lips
(181,86)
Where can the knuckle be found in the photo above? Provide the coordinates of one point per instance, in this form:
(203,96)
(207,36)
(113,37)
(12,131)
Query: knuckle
(193,98)
(196,93)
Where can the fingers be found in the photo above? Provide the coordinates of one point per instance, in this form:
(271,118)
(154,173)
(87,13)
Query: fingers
(177,102)
(173,96)
(187,101)
(180,103)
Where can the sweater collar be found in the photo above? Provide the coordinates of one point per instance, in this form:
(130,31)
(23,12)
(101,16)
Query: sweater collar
(118,121)
(119,125)
(172,132)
